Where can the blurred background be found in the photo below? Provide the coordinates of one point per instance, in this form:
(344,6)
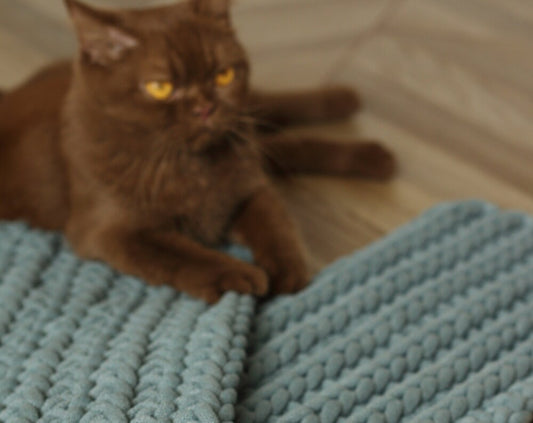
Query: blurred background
(446,84)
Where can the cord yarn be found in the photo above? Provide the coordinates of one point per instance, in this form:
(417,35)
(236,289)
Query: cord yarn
(432,324)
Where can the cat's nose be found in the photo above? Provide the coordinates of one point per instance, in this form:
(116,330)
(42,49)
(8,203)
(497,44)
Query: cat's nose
(204,110)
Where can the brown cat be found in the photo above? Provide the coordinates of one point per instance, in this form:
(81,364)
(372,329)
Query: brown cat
(143,152)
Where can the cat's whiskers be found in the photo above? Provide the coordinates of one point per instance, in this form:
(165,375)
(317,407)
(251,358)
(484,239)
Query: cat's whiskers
(253,114)
(253,121)
(258,123)
(240,137)
(236,139)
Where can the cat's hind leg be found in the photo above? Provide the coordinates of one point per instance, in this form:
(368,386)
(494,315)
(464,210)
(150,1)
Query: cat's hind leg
(276,110)
(289,154)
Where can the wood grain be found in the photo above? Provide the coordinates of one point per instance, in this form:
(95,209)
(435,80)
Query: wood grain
(447,84)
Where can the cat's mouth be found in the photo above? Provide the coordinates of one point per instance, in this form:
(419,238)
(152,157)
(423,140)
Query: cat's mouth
(203,137)
(207,131)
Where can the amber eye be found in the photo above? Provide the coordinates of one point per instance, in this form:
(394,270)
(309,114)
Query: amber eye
(225,77)
(159,90)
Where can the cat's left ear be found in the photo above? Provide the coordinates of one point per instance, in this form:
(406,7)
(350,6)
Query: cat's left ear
(101,38)
(219,9)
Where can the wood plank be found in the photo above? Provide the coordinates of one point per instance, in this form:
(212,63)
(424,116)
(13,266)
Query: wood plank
(297,68)
(39,30)
(280,25)
(470,142)
(443,174)
(468,19)
(477,56)
(489,102)
(22,60)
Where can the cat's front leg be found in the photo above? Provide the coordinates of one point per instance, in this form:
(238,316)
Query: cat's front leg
(267,229)
(167,258)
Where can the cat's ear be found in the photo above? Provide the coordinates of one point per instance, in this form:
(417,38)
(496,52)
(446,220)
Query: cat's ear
(215,8)
(101,39)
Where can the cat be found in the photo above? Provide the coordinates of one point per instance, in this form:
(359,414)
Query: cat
(147,151)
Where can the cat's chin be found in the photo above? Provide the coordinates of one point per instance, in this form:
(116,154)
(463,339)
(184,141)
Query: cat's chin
(203,139)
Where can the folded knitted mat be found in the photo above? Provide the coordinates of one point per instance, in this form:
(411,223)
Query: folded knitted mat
(432,324)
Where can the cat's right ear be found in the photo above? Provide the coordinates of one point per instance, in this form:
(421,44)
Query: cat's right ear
(102,40)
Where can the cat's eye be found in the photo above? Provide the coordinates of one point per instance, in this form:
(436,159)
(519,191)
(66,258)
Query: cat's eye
(159,90)
(226,77)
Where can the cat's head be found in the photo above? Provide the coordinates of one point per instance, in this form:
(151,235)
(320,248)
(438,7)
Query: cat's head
(178,70)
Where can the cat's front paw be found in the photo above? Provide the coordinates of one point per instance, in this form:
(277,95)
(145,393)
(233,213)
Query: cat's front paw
(239,277)
(340,102)
(288,274)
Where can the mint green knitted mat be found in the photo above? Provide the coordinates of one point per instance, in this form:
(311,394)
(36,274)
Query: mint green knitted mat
(432,324)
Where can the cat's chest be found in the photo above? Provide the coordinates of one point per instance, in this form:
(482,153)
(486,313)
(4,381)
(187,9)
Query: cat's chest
(199,182)
(201,196)
(199,188)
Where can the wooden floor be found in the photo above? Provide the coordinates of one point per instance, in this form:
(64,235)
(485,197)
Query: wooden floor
(447,84)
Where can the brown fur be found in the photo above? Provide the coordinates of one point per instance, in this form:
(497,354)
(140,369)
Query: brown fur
(149,187)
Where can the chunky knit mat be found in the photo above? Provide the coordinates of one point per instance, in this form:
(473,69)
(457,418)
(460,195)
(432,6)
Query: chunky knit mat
(432,324)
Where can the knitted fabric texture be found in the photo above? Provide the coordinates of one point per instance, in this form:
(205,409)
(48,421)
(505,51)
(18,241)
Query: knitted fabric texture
(432,324)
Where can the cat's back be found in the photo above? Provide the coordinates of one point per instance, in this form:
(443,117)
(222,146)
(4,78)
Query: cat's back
(39,98)
(31,169)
